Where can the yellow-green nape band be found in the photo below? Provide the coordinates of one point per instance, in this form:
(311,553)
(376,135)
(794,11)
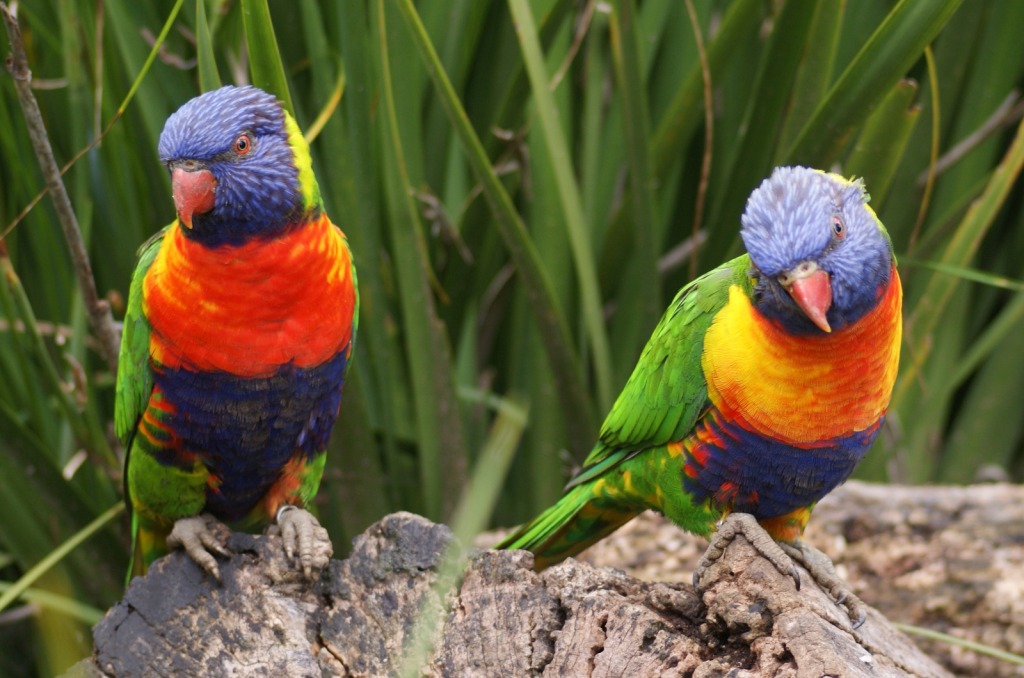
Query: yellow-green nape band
(303,163)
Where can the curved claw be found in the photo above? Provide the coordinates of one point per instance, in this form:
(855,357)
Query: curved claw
(822,571)
(195,535)
(795,574)
(784,556)
(861,616)
(303,536)
(744,523)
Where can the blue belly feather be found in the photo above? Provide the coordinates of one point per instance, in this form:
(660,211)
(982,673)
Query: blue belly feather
(245,430)
(766,477)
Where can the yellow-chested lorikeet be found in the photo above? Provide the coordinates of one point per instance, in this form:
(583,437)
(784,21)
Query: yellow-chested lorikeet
(239,329)
(762,387)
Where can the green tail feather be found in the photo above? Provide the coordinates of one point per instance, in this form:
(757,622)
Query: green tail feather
(576,521)
(147,546)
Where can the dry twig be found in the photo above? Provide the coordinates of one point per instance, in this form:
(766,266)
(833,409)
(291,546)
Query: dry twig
(97,309)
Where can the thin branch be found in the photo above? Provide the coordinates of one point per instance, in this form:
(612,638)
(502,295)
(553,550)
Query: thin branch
(1006,114)
(583,26)
(97,309)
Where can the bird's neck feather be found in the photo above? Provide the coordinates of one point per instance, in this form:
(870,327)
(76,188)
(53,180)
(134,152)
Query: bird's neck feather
(797,387)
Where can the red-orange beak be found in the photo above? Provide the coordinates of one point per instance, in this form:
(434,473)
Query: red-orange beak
(194,192)
(811,289)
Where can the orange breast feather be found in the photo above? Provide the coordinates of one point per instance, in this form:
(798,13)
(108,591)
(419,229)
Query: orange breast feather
(247,310)
(803,389)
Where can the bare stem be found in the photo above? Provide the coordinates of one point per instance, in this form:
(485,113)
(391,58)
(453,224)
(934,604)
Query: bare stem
(97,309)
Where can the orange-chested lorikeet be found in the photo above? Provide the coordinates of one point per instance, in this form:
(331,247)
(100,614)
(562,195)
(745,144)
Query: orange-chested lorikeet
(764,384)
(239,329)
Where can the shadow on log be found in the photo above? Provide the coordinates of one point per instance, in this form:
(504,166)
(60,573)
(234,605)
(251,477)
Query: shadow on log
(503,619)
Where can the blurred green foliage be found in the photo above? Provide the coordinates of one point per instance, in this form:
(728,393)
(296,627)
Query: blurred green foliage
(521,200)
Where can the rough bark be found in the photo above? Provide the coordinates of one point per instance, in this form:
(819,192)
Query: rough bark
(574,619)
(946,558)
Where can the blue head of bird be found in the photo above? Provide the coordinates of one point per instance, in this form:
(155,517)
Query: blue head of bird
(821,257)
(235,158)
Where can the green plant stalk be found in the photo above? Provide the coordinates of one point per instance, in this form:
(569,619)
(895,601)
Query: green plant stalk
(961,248)
(491,467)
(264,56)
(677,124)
(209,78)
(815,72)
(890,51)
(961,642)
(641,283)
(981,347)
(549,315)
(379,358)
(87,429)
(568,192)
(442,452)
(471,516)
(751,157)
(878,150)
(58,554)
(86,614)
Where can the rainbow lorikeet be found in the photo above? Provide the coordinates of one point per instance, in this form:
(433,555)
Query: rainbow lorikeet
(762,387)
(239,329)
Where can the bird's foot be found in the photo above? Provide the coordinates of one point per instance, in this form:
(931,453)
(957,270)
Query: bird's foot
(744,523)
(197,536)
(782,555)
(304,537)
(823,572)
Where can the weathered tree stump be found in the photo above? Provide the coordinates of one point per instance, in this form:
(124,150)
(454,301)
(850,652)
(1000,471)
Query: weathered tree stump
(948,558)
(502,619)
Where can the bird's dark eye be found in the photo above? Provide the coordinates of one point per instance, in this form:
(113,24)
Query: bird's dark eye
(838,227)
(243,144)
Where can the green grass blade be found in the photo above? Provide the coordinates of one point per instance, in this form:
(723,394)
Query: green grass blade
(1006,324)
(470,518)
(815,72)
(877,153)
(209,78)
(87,430)
(960,249)
(881,62)
(571,204)
(549,315)
(973,275)
(58,554)
(442,453)
(489,471)
(740,23)
(674,128)
(70,607)
(378,358)
(264,55)
(641,292)
(961,642)
(986,427)
(751,156)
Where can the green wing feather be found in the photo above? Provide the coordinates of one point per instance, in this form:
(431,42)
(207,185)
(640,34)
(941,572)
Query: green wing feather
(134,375)
(660,403)
(666,393)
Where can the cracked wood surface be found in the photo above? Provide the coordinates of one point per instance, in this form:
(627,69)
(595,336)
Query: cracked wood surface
(947,558)
(574,619)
